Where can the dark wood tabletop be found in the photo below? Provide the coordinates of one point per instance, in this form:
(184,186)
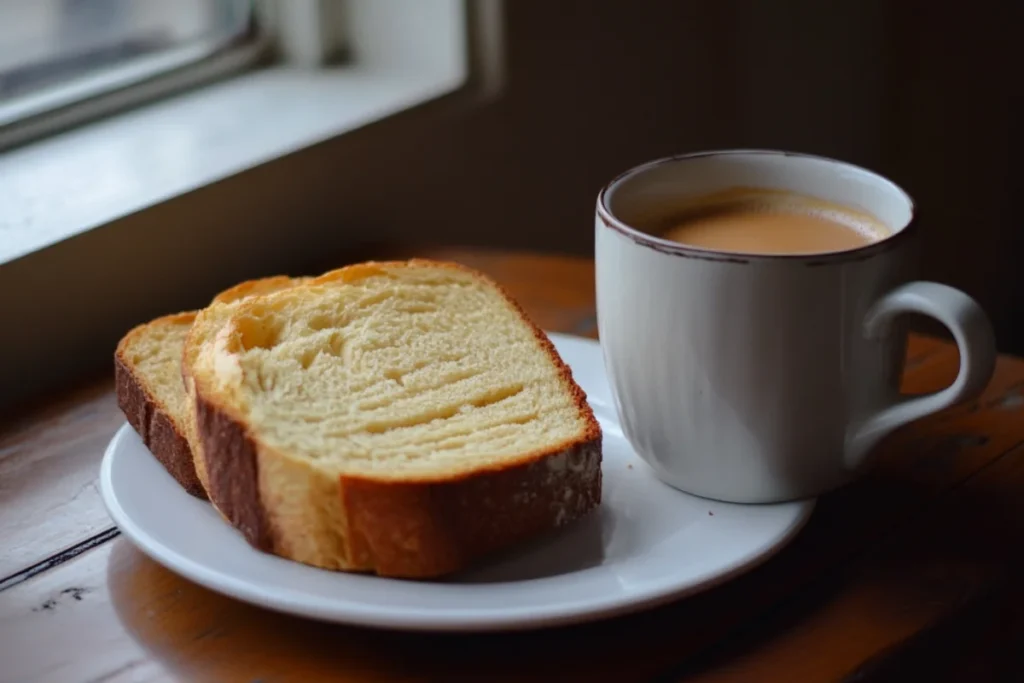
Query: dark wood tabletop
(910,574)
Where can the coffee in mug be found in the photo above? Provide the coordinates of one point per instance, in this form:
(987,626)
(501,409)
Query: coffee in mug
(751,316)
(761,221)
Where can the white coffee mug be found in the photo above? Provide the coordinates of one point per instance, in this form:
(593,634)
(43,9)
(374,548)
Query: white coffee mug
(766,378)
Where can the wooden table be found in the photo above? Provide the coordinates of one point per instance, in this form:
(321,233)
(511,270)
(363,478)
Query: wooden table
(907,575)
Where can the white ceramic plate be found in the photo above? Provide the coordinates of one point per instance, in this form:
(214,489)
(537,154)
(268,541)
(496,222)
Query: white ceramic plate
(648,544)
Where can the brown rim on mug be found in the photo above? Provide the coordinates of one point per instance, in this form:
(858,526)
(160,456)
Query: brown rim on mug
(899,235)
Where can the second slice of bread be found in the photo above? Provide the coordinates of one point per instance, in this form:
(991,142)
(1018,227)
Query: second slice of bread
(149,388)
(402,418)
(147,382)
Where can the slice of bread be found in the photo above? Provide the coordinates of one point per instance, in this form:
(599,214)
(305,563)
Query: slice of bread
(403,418)
(149,392)
(147,372)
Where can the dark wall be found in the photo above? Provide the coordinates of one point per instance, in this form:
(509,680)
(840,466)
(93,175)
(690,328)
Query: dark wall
(919,91)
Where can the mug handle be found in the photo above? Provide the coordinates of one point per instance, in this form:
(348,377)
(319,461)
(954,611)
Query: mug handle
(974,337)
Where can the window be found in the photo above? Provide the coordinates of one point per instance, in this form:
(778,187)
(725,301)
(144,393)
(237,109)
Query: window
(252,81)
(55,54)
(154,150)
(48,43)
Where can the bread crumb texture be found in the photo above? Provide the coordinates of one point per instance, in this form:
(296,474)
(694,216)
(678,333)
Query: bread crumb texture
(402,372)
(154,352)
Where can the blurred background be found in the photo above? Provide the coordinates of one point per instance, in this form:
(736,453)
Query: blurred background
(926,93)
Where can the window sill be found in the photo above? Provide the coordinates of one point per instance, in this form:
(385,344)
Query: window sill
(56,188)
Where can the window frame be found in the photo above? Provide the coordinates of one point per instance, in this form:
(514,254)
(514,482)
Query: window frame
(137,82)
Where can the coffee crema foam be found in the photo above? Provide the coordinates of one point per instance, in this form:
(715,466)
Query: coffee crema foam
(760,221)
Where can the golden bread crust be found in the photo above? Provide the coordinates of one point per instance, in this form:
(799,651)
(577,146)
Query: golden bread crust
(422,530)
(160,431)
(265,285)
(231,475)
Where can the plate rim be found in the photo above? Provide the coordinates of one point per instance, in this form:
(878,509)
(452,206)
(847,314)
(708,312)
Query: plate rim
(416,619)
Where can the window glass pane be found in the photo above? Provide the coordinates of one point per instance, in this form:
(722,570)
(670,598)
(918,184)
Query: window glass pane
(48,43)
